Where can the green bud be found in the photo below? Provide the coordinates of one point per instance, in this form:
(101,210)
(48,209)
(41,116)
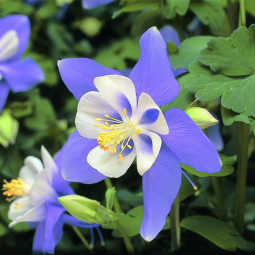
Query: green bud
(8,128)
(201,117)
(88,210)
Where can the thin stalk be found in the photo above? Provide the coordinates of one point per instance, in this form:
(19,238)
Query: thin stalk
(116,204)
(231,12)
(82,238)
(243,142)
(126,239)
(218,195)
(175,224)
(242,17)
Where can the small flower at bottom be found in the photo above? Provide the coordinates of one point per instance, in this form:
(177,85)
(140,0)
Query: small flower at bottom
(33,196)
(119,118)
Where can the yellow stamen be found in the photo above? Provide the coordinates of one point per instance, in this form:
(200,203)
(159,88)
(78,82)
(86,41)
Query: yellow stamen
(116,132)
(13,189)
(138,130)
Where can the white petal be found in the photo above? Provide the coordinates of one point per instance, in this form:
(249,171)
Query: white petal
(30,170)
(25,205)
(34,214)
(9,44)
(49,163)
(147,145)
(91,106)
(42,189)
(145,103)
(118,91)
(107,165)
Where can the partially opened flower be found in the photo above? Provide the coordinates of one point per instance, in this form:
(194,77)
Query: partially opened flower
(91,4)
(33,196)
(119,119)
(15,74)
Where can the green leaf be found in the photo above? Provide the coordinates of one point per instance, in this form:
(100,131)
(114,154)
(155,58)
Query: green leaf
(250,7)
(237,93)
(189,51)
(136,5)
(229,117)
(109,197)
(15,7)
(43,116)
(210,12)
(182,101)
(226,168)
(171,47)
(2,230)
(174,7)
(144,21)
(218,232)
(21,109)
(8,128)
(133,199)
(232,56)
(116,55)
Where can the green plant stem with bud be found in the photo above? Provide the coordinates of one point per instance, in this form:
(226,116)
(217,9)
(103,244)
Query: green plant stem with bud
(243,142)
(117,209)
(243,133)
(175,224)
(82,238)
(116,204)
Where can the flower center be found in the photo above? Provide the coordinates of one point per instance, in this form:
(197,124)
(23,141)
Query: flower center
(13,189)
(118,133)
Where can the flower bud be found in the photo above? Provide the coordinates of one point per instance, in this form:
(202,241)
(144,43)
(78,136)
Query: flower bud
(201,117)
(88,210)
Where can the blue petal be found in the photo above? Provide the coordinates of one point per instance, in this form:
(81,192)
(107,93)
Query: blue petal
(78,74)
(60,185)
(20,24)
(189,143)
(49,232)
(215,137)
(75,167)
(90,4)
(161,184)
(170,34)
(153,73)
(22,75)
(149,116)
(4,91)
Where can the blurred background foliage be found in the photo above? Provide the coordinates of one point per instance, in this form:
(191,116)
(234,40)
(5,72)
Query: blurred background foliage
(45,115)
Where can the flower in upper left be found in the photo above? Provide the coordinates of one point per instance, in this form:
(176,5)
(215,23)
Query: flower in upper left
(16,74)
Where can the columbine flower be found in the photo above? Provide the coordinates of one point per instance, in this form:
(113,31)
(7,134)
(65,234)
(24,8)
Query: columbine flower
(15,74)
(119,119)
(33,196)
(91,4)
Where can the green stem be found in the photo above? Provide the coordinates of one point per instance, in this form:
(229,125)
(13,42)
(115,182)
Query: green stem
(82,238)
(217,191)
(242,17)
(175,224)
(127,241)
(116,204)
(243,142)
(231,12)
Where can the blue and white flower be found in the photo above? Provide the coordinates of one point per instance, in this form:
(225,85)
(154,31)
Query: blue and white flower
(119,119)
(15,74)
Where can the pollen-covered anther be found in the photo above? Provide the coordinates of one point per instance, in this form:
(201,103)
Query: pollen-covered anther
(17,205)
(116,132)
(13,189)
